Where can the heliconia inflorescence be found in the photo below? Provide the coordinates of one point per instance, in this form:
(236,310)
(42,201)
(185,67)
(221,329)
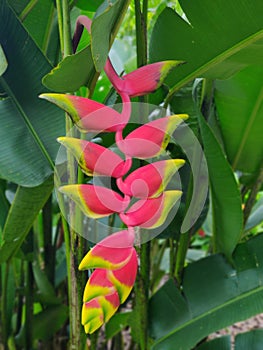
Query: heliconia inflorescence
(114,259)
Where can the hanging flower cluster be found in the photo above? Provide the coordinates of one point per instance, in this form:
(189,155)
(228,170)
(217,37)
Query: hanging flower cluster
(114,258)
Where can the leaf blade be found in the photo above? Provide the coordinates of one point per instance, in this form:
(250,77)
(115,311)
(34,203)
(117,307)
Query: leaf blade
(239,102)
(225,193)
(25,207)
(216,294)
(25,120)
(234,50)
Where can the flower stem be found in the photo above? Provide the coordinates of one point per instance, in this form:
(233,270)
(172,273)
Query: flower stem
(73,242)
(142,294)
(184,241)
(60,24)
(5,271)
(66,29)
(141,32)
(143,281)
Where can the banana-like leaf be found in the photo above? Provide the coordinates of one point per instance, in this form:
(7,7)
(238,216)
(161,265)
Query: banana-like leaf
(215,295)
(23,211)
(250,340)
(239,102)
(29,126)
(218,38)
(88,5)
(222,343)
(39,18)
(226,198)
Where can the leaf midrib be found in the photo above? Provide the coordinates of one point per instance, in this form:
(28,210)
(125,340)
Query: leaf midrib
(219,58)
(27,121)
(210,312)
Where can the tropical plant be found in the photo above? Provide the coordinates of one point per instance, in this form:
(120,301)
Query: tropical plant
(130,79)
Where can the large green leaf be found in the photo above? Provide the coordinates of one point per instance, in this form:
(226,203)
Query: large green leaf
(29,126)
(221,343)
(226,198)
(23,211)
(88,5)
(215,295)
(239,103)
(40,20)
(252,340)
(105,23)
(222,37)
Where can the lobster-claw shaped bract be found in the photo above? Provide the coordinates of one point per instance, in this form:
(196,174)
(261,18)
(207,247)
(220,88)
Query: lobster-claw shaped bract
(95,159)
(152,212)
(142,80)
(95,201)
(151,139)
(149,180)
(110,284)
(89,115)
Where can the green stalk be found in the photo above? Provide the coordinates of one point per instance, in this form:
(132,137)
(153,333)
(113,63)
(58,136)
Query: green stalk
(5,270)
(20,299)
(142,295)
(73,242)
(29,306)
(183,243)
(60,24)
(172,257)
(141,32)
(49,257)
(183,246)
(143,281)
(66,28)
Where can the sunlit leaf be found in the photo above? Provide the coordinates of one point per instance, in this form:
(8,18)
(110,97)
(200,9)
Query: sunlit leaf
(239,102)
(220,39)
